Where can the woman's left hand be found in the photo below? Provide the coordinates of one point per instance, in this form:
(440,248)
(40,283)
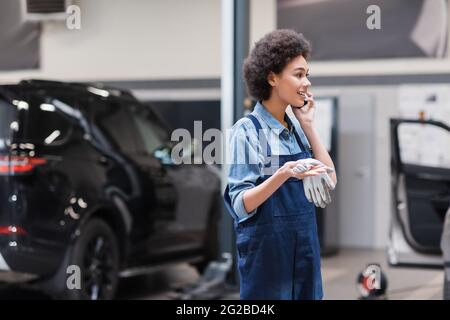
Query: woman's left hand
(305,114)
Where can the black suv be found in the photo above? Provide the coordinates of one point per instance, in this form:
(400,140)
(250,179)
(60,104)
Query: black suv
(89,193)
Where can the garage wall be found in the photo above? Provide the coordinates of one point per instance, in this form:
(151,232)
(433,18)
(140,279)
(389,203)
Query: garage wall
(136,39)
(364,186)
(362,67)
(171,39)
(263,18)
(140,40)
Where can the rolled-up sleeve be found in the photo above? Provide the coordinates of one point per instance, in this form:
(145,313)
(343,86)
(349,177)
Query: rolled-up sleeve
(246,163)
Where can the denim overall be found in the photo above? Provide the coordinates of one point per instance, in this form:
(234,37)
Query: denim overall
(278,248)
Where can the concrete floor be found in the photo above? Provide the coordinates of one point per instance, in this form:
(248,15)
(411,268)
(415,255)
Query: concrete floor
(340,273)
(339,277)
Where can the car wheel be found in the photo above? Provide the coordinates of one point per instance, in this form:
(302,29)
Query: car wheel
(95,254)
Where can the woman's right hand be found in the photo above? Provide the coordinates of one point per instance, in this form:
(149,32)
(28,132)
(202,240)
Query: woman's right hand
(288,170)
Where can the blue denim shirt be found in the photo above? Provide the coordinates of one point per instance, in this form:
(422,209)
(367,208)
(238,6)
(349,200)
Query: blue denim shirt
(247,156)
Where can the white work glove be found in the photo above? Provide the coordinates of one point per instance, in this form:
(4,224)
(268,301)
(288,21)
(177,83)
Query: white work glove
(317,189)
(306,165)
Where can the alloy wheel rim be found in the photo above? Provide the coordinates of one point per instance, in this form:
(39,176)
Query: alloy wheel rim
(99,268)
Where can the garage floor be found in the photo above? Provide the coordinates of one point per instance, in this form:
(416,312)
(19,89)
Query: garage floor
(339,275)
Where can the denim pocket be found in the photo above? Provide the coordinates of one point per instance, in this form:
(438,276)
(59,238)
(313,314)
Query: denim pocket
(290,200)
(244,245)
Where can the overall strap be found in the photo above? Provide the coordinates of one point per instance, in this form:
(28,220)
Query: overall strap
(262,138)
(299,141)
(297,137)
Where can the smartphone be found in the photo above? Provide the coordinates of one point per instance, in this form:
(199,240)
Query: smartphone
(304,104)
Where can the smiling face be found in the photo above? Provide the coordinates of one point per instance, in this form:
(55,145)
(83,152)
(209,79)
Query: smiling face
(291,84)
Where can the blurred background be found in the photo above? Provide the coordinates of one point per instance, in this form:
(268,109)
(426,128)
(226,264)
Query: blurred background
(380,72)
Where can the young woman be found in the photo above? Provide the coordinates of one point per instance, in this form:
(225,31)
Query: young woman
(275,224)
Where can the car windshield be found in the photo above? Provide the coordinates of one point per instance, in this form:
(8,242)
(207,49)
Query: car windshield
(153,134)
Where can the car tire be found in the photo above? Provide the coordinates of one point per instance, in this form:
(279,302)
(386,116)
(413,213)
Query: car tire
(95,254)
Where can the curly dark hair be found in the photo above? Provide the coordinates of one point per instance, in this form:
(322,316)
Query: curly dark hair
(272,53)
